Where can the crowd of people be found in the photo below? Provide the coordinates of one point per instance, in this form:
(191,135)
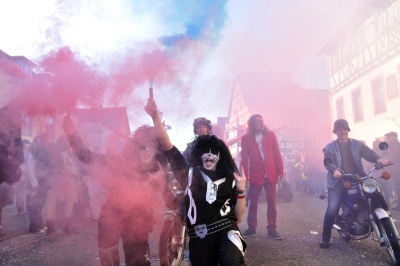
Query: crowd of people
(51,185)
(305,171)
(62,178)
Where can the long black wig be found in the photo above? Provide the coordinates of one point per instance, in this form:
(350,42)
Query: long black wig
(141,136)
(203,144)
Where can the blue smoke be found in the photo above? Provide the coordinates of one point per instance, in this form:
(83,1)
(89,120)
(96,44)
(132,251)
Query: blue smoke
(203,21)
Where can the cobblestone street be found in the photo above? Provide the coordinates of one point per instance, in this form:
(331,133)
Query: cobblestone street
(299,222)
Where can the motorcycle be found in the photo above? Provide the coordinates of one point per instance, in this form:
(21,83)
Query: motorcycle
(364,210)
(174,229)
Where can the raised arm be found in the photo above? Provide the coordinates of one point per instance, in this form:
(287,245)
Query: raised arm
(240,207)
(75,141)
(152,110)
(175,158)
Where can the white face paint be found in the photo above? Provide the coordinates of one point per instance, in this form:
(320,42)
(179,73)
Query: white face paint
(210,160)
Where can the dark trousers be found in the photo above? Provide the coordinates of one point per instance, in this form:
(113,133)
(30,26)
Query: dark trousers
(215,249)
(114,224)
(35,204)
(254,195)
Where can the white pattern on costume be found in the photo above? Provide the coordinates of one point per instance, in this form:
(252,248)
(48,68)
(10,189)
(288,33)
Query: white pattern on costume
(192,204)
(212,187)
(225,209)
(201,230)
(235,237)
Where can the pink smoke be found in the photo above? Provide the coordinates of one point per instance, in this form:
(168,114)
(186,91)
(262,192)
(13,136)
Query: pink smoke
(11,69)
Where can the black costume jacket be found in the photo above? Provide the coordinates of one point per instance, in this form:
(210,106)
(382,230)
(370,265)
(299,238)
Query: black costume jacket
(210,198)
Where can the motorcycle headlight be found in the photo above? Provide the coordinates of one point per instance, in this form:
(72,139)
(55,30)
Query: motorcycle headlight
(369,185)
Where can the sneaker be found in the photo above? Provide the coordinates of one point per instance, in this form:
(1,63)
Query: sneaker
(324,244)
(274,234)
(326,237)
(38,230)
(249,232)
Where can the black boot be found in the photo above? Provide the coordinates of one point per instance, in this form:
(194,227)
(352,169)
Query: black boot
(326,237)
(50,227)
(109,257)
(68,228)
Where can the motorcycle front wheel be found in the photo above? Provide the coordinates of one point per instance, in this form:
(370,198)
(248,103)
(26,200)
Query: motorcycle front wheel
(172,242)
(391,242)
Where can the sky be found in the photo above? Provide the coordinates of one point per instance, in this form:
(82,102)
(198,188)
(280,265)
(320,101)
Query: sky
(189,51)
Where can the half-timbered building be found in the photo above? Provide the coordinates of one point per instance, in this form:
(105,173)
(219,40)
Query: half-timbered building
(300,117)
(364,71)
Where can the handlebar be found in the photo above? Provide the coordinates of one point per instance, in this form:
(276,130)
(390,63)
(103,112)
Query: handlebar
(352,177)
(355,177)
(379,166)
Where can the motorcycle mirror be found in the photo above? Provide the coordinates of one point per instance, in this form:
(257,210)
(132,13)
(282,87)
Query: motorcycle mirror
(386,175)
(383,145)
(328,161)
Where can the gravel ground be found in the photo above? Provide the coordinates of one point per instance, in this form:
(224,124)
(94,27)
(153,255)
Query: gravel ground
(299,222)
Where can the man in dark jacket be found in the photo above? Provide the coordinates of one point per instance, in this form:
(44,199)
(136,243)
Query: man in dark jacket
(11,152)
(201,127)
(262,164)
(11,155)
(346,155)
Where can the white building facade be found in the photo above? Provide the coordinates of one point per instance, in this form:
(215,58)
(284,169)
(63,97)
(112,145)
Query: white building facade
(364,71)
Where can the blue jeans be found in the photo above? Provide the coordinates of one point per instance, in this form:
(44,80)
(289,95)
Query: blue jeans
(335,197)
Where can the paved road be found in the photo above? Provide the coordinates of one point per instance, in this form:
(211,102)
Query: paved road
(299,223)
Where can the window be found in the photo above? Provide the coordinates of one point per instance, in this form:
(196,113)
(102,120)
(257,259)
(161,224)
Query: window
(340,108)
(392,89)
(356,98)
(378,94)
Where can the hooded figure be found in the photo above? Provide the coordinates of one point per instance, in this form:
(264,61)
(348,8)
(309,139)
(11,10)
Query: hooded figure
(133,179)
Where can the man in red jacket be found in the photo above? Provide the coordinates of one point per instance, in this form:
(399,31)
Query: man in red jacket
(262,163)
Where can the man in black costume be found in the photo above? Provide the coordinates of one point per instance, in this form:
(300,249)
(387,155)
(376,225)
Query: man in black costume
(215,196)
